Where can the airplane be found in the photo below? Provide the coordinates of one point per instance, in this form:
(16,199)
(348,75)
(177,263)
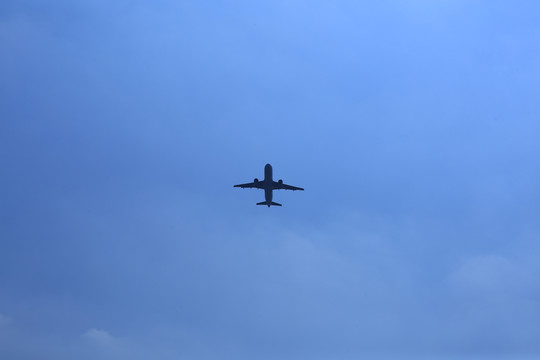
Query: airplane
(268,185)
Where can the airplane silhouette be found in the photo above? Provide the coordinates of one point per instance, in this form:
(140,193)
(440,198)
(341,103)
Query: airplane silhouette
(268,185)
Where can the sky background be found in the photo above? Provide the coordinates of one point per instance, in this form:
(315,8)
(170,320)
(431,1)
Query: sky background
(413,126)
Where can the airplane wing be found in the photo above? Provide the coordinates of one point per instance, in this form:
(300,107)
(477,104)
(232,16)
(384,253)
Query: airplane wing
(279,185)
(252,185)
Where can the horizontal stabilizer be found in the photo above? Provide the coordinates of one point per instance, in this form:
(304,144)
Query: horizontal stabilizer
(272,203)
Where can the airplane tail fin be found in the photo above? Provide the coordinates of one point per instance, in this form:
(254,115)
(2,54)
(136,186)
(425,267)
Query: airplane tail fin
(272,203)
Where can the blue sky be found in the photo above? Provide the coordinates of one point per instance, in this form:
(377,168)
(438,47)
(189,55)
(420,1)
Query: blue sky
(413,126)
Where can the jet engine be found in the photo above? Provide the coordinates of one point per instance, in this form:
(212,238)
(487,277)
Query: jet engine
(255,180)
(280,181)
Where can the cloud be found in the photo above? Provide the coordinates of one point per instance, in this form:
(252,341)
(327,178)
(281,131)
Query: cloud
(4,320)
(492,306)
(492,275)
(98,343)
(101,337)
(242,281)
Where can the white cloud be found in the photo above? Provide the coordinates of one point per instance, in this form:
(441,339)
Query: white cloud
(101,337)
(101,344)
(4,320)
(489,274)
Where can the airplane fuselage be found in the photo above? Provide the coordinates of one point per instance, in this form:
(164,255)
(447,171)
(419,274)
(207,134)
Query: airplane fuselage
(268,184)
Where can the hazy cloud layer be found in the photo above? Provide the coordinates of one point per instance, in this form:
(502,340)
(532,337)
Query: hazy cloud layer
(412,125)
